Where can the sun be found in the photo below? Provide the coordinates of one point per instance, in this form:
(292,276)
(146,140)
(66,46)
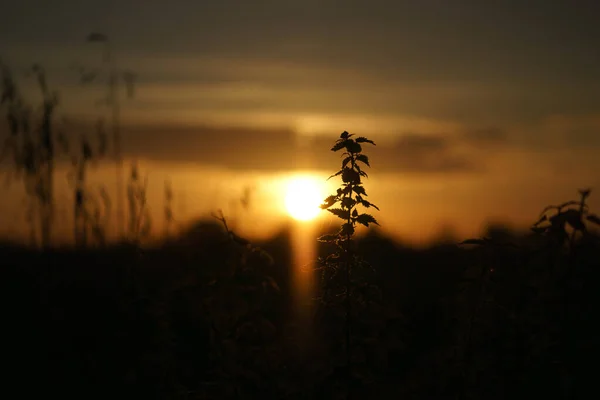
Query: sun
(303,198)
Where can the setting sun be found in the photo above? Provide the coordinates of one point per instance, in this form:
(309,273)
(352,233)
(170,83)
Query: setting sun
(302,199)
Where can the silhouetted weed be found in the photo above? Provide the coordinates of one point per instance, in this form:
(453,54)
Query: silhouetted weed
(356,291)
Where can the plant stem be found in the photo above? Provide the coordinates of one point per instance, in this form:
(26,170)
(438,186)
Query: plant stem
(348,288)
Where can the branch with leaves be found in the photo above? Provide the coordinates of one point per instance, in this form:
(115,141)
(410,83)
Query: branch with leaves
(348,197)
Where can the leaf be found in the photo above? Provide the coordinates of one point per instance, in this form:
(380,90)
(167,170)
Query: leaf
(336,174)
(362,139)
(359,190)
(346,161)
(543,218)
(366,219)
(338,212)
(568,203)
(350,176)
(355,213)
(328,202)
(340,144)
(352,146)
(327,238)
(363,158)
(347,229)
(345,135)
(573,218)
(593,218)
(348,202)
(367,204)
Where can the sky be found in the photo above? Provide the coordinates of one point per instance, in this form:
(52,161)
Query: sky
(491,99)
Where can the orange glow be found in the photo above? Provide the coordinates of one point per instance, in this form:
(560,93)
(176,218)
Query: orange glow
(303,197)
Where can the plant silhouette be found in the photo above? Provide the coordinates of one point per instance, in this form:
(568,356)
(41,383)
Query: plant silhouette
(32,144)
(344,259)
(115,78)
(139,213)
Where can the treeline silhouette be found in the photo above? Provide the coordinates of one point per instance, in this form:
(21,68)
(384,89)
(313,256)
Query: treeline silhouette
(206,317)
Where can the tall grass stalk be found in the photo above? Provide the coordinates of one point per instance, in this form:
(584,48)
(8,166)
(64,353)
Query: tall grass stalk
(116,78)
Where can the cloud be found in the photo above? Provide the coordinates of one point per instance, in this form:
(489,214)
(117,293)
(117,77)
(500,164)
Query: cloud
(489,136)
(281,149)
(226,147)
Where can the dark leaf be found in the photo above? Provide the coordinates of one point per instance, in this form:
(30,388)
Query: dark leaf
(573,218)
(343,214)
(345,135)
(348,202)
(329,201)
(359,190)
(352,146)
(350,176)
(543,218)
(366,219)
(559,219)
(363,158)
(336,174)
(364,140)
(327,238)
(368,204)
(347,229)
(346,161)
(340,144)
(593,218)
(355,213)
(568,203)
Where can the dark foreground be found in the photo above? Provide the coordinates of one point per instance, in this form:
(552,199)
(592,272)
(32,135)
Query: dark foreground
(205,318)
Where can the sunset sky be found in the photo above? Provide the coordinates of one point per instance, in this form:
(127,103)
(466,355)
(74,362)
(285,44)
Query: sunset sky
(481,110)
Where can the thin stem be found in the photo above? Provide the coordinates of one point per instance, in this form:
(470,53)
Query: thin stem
(348,280)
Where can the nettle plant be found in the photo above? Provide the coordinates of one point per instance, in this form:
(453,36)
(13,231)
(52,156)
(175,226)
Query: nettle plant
(344,261)
(572,214)
(351,193)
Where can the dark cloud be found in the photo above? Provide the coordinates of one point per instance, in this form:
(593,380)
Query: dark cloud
(489,136)
(276,150)
(411,153)
(399,38)
(418,153)
(430,59)
(227,147)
